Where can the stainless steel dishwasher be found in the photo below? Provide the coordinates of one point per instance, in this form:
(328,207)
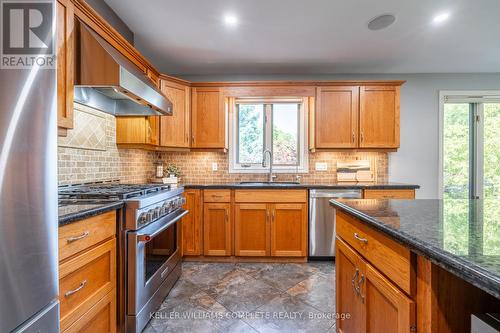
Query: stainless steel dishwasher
(322,221)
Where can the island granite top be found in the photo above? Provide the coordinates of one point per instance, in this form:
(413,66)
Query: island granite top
(461,236)
(69,213)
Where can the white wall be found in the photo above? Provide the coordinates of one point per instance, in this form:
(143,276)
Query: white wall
(416,161)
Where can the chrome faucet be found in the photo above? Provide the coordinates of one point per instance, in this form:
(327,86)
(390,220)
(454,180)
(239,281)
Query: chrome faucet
(271,176)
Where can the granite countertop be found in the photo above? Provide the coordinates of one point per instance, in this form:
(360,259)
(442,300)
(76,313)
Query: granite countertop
(461,236)
(281,185)
(75,211)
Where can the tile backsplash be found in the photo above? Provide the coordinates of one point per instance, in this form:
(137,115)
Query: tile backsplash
(89,152)
(196,167)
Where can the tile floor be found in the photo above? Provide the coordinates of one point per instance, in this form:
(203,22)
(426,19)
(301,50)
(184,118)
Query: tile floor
(212,297)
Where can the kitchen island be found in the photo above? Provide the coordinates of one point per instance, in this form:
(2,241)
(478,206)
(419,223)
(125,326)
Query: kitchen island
(427,264)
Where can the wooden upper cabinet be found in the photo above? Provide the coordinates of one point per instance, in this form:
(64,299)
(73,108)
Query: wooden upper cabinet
(289,230)
(175,129)
(217,229)
(65,62)
(336,117)
(379,117)
(138,130)
(208,122)
(252,230)
(153,76)
(192,224)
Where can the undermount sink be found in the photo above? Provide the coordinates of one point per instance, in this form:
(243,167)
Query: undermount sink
(269,183)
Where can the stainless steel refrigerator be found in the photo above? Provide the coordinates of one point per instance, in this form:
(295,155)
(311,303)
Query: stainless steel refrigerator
(28,183)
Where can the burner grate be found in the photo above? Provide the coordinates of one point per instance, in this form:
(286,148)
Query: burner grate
(110,191)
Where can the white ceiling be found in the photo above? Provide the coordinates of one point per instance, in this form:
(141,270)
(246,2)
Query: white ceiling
(314,36)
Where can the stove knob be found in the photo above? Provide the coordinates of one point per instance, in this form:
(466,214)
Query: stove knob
(158,212)
(150,215)
(164,209)
(142,218)
(170,206)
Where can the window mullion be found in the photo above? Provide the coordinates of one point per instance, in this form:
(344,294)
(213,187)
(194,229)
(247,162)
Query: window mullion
(479,150)
(268,136)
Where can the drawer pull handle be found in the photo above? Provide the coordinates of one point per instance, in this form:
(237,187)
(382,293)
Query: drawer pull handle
(354,277)
(75,238)
(361,239)
(71,292)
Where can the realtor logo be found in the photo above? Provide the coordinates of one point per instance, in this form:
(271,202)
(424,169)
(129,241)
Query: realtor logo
(27,34)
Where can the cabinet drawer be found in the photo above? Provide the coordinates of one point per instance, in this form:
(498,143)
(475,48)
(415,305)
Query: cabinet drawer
(82,235)
(100,318)
(217,195)
(274,196)
(391,258)
(389,194)
(84,280)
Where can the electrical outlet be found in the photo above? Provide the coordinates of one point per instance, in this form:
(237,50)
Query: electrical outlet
(214,166)
(321,166)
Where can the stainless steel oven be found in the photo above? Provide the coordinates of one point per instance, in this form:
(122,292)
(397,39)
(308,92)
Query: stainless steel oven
(153,260)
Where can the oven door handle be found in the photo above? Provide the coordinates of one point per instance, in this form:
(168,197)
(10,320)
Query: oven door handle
(148,237)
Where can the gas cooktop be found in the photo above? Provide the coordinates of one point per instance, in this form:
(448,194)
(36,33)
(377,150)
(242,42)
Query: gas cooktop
(109,190)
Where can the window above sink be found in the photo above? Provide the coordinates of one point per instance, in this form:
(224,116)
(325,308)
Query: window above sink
(275,124)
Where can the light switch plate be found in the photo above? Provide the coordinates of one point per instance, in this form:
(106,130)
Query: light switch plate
(214,166)
(321,166)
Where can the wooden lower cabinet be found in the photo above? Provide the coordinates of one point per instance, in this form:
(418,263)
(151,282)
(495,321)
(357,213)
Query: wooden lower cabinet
(347,300)
(192,228)
(217,229)
(373,302)
(272,229)
(289,230)
(252,230)
(100,318)
(87,275)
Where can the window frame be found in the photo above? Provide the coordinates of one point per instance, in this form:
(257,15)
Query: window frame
(475,99)
(302,147)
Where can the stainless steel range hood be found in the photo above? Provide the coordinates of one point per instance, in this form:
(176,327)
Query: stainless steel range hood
(107,81)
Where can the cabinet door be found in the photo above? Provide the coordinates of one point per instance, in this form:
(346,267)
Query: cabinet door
(252,230)
(387,309)
(65,62)
(138,130)
(174,130)
(191,224)
(131,130)
(217,229)
(379,117)
(208,124)
(153,130)
(289,230)
(347,273)
(336,117)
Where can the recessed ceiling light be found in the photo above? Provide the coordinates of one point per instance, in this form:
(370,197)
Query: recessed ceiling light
(381,22)
(231,20)
(441,18)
